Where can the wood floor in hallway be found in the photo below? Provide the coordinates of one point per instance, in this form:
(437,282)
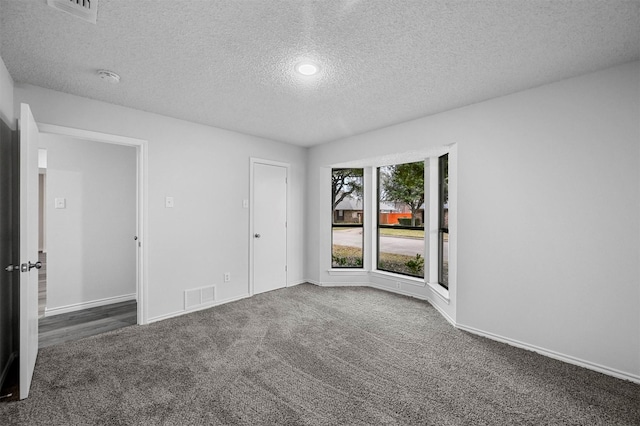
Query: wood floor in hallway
(88,322)
(76,325)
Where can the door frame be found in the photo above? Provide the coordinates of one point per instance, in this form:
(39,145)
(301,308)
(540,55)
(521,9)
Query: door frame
(252,162)
(10,282)
(141,146)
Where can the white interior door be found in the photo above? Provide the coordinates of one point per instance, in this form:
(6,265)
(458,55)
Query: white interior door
(28,248)
(269,227)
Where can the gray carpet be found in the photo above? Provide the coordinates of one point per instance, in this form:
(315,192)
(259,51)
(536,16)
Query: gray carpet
(313,356)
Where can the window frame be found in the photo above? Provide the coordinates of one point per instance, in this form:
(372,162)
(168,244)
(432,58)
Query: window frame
(378,226)
(443,228)
(360,225)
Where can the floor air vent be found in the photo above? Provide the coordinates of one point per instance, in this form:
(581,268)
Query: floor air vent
(198,297)
(83,9)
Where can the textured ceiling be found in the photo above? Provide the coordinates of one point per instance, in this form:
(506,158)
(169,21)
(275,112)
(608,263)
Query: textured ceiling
(230,64)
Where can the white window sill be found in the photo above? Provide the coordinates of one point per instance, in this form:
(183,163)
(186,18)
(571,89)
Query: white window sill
(440,291)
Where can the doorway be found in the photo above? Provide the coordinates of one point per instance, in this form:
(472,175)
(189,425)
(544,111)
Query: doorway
(88,211)
(132,231)
(268,225)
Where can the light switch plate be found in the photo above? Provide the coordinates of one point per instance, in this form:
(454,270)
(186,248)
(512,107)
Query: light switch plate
(60,203)
(168,202)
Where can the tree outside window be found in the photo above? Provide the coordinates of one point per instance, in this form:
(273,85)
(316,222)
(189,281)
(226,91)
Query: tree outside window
(347,217)
(401,219)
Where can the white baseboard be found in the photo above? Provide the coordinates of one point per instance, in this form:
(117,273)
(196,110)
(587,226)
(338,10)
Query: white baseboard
(342,284)
(335,284)
(397,291)
(49,312)
(199,308)
(442,312)
(295,283)
(555,355)
(417,296)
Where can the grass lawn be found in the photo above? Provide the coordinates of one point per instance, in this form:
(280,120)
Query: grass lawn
(351,257)
(346,257)
(346,251)
(406,233)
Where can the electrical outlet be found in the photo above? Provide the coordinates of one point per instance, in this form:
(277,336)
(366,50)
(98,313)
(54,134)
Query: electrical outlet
(227,277)
(397,284)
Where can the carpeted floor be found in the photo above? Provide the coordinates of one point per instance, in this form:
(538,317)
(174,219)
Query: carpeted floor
(313,356)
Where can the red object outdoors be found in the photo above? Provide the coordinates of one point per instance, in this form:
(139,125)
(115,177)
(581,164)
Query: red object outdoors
(392,218)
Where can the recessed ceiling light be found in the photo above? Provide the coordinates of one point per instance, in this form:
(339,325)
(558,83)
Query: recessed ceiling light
(307,68)
(109,76)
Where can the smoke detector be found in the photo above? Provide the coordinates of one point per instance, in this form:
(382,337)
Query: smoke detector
(109,76)
(84,9)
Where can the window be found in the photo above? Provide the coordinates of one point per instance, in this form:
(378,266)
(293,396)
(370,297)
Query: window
(347,237)
(401,219)
(443,219)
(411,235)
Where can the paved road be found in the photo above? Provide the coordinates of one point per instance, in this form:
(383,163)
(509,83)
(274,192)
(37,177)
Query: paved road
(353,238)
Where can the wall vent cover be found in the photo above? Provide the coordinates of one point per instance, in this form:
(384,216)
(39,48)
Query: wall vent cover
(83,9)
(199,297)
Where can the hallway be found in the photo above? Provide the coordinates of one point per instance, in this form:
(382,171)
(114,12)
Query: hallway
(78,324)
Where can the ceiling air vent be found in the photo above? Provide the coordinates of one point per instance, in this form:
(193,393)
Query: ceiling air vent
(83,9)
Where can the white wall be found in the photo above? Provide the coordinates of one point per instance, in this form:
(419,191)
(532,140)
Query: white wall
(548,214)
(91,253)
(206,170)
(6,96)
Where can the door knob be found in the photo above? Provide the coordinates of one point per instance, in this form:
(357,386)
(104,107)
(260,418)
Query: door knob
(29,266)
(12,268)
(257,235)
